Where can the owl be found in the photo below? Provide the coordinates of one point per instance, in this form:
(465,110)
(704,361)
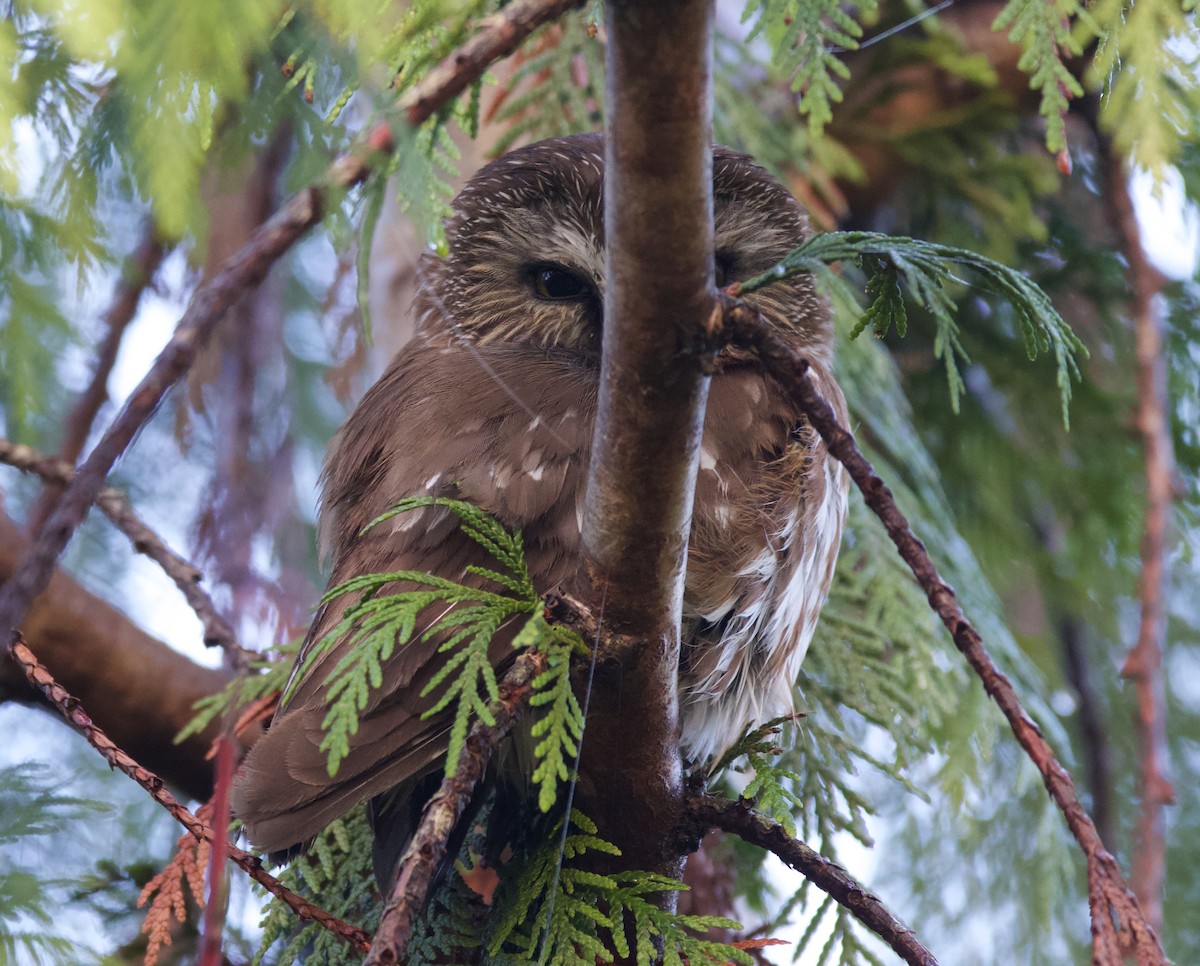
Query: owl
(494,402)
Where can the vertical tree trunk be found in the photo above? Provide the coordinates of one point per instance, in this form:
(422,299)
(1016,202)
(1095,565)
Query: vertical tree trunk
(658,293)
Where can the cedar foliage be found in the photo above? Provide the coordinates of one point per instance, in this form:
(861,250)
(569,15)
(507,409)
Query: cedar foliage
(115,111)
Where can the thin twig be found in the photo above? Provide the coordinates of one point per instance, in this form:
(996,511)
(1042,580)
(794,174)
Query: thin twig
(238,275)
(1093,731)
(740,819)
(186,576)
(1109,896)
(425,852)
(77,717)
(573,613)
(1143,666)
(136,274)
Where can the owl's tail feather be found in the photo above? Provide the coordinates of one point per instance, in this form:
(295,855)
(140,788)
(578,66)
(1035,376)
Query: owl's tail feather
(284,794)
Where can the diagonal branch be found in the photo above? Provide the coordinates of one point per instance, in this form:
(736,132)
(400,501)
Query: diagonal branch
(499,35)
(217,633)
(207,308)
(443,811)
(237,276)
(1109,896)
(136,274)
(73,712)
(706,813)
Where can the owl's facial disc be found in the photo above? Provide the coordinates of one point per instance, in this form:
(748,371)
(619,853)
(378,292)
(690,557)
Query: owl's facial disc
(526,259)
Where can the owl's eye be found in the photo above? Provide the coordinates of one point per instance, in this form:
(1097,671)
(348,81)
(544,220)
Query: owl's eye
(722,268)
(556,282)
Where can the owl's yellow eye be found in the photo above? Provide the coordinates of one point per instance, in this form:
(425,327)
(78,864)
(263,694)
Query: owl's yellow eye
(556,282)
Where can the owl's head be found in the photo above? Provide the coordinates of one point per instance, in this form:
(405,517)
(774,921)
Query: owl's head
(526,249)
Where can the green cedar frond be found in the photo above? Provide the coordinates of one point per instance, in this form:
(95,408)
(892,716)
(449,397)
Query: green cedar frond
(887,301)
(805,36)
(653,926)
(758,740)
(925,268)
(1044,29)
(374,195)
(560,727)
(519,919)
(335,874)
(551,912)
(424,166)
(30,803)
(31,806)
(266,676)
(769,789)
(1146,61)
(376,623)
(558,88)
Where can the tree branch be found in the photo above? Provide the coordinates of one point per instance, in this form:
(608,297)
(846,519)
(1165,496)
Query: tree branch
(185,575)
(499,35)
(708,813)
(1109,896)
(658,223)
(1143,666)
(207,308)
(136,274)
(141,691)
(443,811)
(73,712)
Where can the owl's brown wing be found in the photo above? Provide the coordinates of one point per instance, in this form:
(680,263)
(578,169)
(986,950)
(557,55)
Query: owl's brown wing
(445,420)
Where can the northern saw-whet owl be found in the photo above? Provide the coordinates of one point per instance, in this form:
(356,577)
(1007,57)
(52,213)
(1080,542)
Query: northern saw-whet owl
(494,402)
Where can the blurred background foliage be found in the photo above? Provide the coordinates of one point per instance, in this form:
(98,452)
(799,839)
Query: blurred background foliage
(127,122)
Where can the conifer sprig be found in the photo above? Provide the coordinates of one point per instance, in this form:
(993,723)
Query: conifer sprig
(806,37)
(378,622)
(554,912)
(1044,29)
(925,270)
(267,676)
(336,873)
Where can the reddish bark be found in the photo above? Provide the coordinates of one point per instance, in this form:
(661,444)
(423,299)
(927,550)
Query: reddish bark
(740,819)
(659,287)
(1143,666)
(72,710)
